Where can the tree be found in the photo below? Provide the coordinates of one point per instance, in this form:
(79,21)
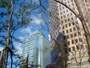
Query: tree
(9,26)
(59,53)
(15,18)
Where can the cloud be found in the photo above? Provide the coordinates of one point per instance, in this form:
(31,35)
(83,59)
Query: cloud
(49,37)
(37,19)
(21,38)
(1,48)
(18,47)
(26,31)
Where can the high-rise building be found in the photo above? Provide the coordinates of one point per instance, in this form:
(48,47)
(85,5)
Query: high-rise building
(64,21)
(1,57)
(55,20)
(38,49)
(84,6)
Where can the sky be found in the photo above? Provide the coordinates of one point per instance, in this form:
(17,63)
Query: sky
(40,21)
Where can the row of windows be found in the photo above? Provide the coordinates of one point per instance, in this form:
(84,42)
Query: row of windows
(78,47)
(69,4)
(74,41)
(68,25)
(69,30)
(73,35)
(68,20)
(64,16)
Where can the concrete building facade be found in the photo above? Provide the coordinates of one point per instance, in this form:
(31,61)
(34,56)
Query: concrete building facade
(85,8)
(71,27)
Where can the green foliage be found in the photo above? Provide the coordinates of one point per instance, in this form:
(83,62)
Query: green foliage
(3,3)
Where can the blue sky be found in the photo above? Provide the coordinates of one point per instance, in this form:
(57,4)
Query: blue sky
(40,21)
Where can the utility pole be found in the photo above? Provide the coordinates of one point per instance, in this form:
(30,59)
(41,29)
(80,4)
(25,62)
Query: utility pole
(81,18)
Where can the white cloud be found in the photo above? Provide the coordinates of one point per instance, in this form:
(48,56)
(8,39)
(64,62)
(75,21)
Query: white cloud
(37,19)
(26,30)
(21,38)
(18,47)
(49,37)
(1,48)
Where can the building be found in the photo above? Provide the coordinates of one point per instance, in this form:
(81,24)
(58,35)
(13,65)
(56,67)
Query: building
(64,21)
(38,49)
(54,20)
(59,53)
(1,57)
(85,10)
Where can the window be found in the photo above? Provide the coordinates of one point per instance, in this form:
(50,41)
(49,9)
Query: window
(67,10)
(71,35)
(88,9)
(68,42)
(71,0)
(67,14)
(65,20)
(68,19)
(86,1)
(67,36)
(63,7)
(66,31)
(71,18)
(80,39)
(62,22)
(73,48)
(0,53)
(63,27)
(82,46)
(79,33)
(76,40)
(66,25)
(64,16)
(73,23)
(73,4)
(74,28)
(72,41)
(77,47)
(70,30)
(78,28)
(69,24)
(69,49)
(75,35)
(71,13)
(63,32)
(76,22)
(73,8)
(61,17)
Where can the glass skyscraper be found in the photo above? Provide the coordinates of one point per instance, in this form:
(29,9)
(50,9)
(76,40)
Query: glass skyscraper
(38,49)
